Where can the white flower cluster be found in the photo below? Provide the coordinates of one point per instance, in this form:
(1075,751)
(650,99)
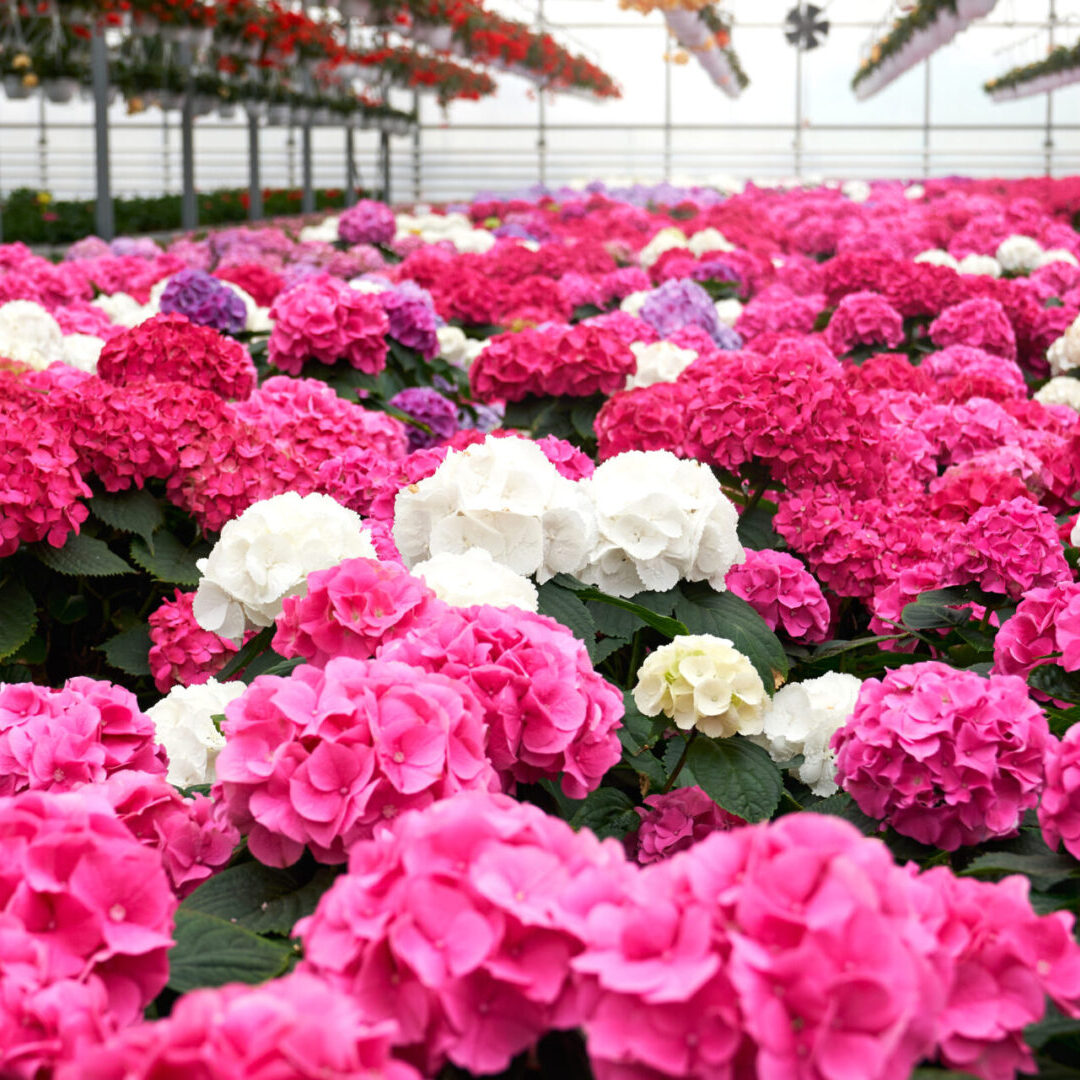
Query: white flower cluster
(474,577)
(1064,354)
(325,232)
(502,495)
(704,682)
(660,520)
(31,336)
(971,264)
(1022,254)
(458,349)
(184,725)
(457,228)
(267,553)
(665,240)
(1061,390)
(709,240)
(124,310)
(643,521)
(659,362)
(802,718)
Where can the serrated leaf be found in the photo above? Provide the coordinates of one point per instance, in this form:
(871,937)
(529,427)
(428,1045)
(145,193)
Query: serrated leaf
(602,649)
(18,618)
(260,898)
(737,775)
(1051,1026)
(83,556)
(211,951)
(167,561)
(613,622)
(129,651)
(564,606)
(844,806)
(129,511)
(669,627)
(705,611)
(756,528)
(607,812)
(642,760)
(1057,682)
(1048,870)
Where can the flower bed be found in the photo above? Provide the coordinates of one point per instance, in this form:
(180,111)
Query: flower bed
(618,634)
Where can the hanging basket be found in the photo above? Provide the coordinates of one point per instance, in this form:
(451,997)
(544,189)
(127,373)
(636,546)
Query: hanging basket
(974,9)
(60,91)
(688,28)
(15,90)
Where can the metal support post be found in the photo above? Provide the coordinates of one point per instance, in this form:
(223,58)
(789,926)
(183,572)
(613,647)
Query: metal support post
(255,199)
(668,63)
(105,220)
(926,121)
(43,146)
(189,205)
(350,136)
(384,161)
(541,132)
(307,200)
(797,145)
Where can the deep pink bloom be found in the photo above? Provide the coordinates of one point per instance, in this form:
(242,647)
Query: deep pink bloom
(1059,811)
(784,593)
(864,318)
(676,821)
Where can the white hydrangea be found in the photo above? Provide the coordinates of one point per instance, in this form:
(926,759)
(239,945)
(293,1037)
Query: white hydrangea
(82,351)
(258,318)
(665,240)
(937,257)
(704,682)
(184,725)
(124,310)
(729,311)
(709,240)
(634,302)
(267,553)
(1019,254)
(1064,354)
(30,335)
(456,228)
(985,265)
(915,191)
(502,495)
(858,191)
(1056,255)
(474,577)
(369,287)
(326,232)
(661,520)
(1061,390)
(659,362)
(802,718)
(457,348)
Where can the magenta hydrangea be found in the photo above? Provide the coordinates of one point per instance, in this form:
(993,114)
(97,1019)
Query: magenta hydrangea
(1059,811)
(549,714)
(58,740)
(321,758)
(943,755)
(674,821)
(981,323)
(1045,629)
(784,593)
(297,1026)
(351,609)
(461,923)
(368,222)
(182,653)
(864,318)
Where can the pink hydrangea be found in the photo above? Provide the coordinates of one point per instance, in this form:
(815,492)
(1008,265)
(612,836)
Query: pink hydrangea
(461,923)
(182,653)
(1005,961)
(645,418)
(981,323)
(192,836)
(171,348)
(549,714)
(58,740)
(368,222)
(864,318)
(943,755)
(784,593)
(675,821)
(69,859)
(351,609)
(323,319)
(567,458)
(1007,548)
(297,1026)
(1045,626)
(324,756)
(1059,811)
(790,950)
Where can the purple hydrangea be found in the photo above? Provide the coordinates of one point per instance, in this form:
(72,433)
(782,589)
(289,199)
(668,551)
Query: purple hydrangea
(716,269)
(515,231)
(412,321)
(429,407)
(684,303)
(368,222)
(142,246)
(204,300)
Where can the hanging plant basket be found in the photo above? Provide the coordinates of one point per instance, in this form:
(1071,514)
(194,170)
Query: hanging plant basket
(15,90)
(437,37)
(60,91)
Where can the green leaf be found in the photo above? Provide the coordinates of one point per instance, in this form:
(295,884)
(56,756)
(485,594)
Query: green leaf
(1048,870)
(18,617)
(670,628)
(129,651)
(613,622)
(168,560)
(262,899)
(737,775)
(607,812)
(1057,682)
(726,615)
(1051,1026)
(129,511)
(642,760)
(756,530)
(565,607)
(244,658)
(83,556)
(940,1074)
(844,806)
(583,417)
(212,951)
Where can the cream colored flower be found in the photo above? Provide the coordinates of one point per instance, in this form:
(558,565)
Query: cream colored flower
(704,682)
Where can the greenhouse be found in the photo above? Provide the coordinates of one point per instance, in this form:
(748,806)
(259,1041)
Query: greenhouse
(539,539)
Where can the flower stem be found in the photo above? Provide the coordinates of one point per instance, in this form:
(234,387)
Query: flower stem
(680,763)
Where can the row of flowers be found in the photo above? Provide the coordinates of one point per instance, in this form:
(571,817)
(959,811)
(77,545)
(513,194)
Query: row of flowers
(915,36)
(619,634)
